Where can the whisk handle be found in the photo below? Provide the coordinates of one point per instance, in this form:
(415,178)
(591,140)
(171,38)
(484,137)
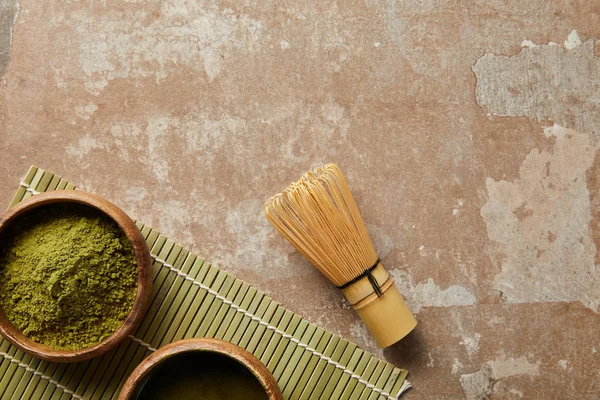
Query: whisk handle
(388,318)
(385,314)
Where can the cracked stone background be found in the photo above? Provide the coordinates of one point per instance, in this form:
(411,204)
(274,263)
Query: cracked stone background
(469,132)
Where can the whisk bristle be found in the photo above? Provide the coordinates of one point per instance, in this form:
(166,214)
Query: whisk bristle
(319,216)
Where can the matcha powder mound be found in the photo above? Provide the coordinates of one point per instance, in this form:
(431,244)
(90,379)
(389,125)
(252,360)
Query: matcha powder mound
(68,276)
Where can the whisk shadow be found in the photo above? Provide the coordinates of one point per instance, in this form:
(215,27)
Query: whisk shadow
(410,352)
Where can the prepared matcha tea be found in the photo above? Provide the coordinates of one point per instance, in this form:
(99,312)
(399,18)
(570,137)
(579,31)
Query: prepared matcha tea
(68,275)
(201,375)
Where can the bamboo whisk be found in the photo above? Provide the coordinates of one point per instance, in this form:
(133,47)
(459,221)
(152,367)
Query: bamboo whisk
(318,215)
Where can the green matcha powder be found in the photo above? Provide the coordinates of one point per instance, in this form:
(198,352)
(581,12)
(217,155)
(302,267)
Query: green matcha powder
(68,276)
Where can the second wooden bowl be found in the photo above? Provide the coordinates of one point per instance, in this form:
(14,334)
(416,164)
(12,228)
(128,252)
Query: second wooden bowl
(144,289)
(201,349)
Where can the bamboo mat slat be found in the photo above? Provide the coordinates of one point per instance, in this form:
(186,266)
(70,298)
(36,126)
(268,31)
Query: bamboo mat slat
(192,298)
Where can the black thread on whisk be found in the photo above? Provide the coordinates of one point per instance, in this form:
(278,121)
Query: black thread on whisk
(369,274)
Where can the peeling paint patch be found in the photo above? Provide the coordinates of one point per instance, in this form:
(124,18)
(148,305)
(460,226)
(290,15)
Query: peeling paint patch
(572,41)
(479,385)
(471,343)
(246,223)
(172,217)
(135,196)
(456,366)
(284,44)
(126,138)
(539,226)
(207,136)
(429,294)
(85,112)
(156,132)
(528,43)
(505,367)
(83,147)
(431,362)
(544,81)
(185,33)
(9,10)
(516,392)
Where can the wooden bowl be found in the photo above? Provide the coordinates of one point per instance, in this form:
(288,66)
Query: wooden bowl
(144,288)
(142,373)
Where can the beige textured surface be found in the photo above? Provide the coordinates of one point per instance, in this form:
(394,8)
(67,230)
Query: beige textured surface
(470,142)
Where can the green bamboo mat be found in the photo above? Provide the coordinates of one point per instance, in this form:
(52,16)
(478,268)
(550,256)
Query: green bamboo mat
(192,298)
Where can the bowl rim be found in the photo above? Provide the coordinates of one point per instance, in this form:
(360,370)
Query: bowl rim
(245,358)
(144,282)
